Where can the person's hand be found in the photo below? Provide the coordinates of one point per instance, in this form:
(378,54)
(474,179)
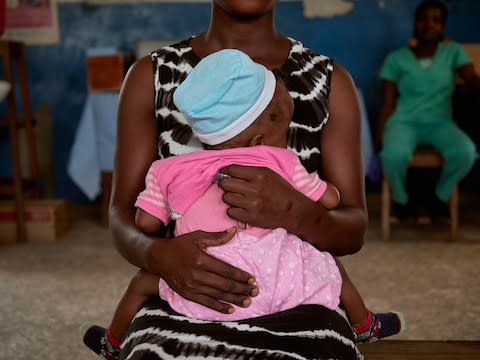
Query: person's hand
(197,276)
(252,194)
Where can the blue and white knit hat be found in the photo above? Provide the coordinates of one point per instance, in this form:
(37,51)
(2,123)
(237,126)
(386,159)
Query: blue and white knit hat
(224,94)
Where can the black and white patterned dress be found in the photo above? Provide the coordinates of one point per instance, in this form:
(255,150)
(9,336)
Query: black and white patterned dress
(305,332)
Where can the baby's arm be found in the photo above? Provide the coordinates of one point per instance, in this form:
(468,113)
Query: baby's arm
(331,197)
(148,223)
(313,186)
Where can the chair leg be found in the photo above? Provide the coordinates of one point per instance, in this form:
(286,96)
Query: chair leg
(454,214)
(13,134)
(385,206)
(17,181)
(28,120)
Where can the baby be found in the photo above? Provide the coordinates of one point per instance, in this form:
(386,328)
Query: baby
(241,112)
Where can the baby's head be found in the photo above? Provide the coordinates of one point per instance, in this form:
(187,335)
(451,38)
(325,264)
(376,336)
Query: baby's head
(231,101)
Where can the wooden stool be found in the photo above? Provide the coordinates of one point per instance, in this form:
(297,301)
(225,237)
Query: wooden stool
(422,158)
(13,57)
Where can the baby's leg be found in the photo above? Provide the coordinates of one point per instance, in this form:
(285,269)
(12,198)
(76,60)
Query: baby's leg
(351,300)
(106,342)
(142,286)
(367,326)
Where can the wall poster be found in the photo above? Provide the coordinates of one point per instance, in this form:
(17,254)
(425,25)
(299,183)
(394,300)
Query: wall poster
(33,22)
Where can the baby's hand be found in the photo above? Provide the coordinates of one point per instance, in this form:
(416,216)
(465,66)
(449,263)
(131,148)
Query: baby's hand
(218,177)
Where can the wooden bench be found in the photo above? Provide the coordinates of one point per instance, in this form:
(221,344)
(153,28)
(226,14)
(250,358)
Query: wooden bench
(421,350)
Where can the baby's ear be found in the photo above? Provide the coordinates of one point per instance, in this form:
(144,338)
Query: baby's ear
(256,140)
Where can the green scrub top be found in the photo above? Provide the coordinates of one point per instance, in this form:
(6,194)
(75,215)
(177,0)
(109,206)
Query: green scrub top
(424,86)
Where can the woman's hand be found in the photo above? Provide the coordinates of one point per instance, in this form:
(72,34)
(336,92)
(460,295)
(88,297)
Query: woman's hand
(252,194)
(182,262)
(197,276)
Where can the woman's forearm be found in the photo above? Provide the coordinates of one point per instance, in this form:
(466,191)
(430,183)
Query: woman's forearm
(130,242)
(340,231)
(389,101)
(469,74)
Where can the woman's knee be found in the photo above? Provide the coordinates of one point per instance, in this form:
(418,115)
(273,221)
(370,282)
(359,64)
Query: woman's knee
(395,155)
(463,154)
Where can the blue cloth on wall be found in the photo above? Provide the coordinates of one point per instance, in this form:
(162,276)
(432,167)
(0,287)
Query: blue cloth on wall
(94,144)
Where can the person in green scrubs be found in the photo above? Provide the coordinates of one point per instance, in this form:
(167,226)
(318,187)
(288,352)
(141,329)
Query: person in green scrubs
(418,82)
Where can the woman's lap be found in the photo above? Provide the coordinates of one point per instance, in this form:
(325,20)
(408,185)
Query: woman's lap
(306,332)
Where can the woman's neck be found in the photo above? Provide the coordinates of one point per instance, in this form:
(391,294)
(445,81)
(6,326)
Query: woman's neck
(425,49)
(256,36)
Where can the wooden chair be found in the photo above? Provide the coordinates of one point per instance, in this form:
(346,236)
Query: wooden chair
(13,58)
(422,158)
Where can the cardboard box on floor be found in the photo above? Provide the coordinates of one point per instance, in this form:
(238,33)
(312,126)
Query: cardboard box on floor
(46,220)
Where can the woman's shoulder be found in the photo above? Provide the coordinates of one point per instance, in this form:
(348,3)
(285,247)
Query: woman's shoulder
(449,43)
(399,53)
(173,54)
(302,56)
(450,46)
(306,69)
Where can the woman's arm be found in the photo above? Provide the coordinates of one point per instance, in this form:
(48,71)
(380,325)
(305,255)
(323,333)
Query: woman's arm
(468,74)
(182,261)
(340,231)
(389,102)
(262,198)
(135,151)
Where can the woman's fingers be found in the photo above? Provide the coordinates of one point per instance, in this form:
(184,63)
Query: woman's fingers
(227,278)
(213,303)
(239,186)
(217,238)
(252,194)
(217,288)
(238,200)
(222,269)
(202,278)
(239,172)
(226,291)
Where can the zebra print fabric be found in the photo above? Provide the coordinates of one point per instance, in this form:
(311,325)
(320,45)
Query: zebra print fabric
(305,332)
(306,74)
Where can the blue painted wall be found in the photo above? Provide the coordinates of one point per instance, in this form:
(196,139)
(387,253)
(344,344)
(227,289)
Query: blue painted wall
(358,41)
